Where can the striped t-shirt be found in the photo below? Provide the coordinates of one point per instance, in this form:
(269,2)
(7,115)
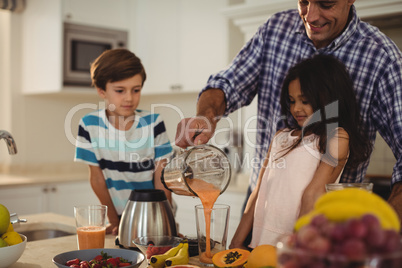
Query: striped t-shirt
(127,158)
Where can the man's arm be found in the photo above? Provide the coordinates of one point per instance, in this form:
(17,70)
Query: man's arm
(395,199)
(198,130)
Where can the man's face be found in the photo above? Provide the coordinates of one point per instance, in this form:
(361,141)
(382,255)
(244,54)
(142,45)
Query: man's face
(324,20)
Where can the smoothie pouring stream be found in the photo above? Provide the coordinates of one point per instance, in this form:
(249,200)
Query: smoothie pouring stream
(203,171)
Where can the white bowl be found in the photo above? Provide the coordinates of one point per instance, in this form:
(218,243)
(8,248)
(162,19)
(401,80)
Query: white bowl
(9,255)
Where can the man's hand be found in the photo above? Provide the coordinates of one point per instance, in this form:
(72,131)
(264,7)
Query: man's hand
(395,199)
(194,131)
(199,130)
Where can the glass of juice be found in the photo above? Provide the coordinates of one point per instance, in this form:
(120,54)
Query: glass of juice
(91,226)
(212,231)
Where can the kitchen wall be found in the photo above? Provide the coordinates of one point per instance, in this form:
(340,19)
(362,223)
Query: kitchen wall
(37,121)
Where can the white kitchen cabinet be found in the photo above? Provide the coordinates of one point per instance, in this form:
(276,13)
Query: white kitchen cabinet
(180,42)
(42,37)
(105,13)
(58,198)
(185,214)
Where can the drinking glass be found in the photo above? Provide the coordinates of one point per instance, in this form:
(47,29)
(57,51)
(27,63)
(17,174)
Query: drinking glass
(91,226)
(216,221)
(368,186)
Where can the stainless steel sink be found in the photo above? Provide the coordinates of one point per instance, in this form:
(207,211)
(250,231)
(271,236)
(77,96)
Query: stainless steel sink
(34,235)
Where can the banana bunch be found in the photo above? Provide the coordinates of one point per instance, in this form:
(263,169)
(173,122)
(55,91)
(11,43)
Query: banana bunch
(174,256)
(339,206)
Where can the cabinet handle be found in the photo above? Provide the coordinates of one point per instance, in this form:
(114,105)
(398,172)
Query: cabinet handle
(54,189)
(45,190)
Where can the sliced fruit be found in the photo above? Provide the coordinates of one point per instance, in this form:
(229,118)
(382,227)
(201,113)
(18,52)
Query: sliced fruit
(262,256)
(235,257)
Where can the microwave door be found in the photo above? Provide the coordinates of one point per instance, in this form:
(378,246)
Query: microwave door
(79,54)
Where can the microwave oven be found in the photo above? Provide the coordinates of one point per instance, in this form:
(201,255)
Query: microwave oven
(82,45)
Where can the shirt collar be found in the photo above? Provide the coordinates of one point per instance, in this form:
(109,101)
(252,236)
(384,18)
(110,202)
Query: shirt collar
(337,42)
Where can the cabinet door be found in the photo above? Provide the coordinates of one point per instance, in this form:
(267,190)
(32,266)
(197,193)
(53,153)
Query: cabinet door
(157,43)
(62,197)
(181,43)
(42,47)
(203,42)
(106,13)
(24,199)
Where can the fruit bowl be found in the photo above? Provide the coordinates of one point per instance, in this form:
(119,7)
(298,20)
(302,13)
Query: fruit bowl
(301,258)
(136,258)
(154,245)
(9,255)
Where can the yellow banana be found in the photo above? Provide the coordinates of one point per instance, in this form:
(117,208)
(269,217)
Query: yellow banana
(158,261)
(372,203)
(353,195)
(182,257)
(342,205)
(304,220)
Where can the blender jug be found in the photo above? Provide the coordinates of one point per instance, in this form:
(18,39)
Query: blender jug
(203,162)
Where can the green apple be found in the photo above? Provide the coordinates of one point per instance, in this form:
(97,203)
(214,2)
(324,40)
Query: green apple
(3,243)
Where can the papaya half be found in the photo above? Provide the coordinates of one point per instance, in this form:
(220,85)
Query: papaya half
(230,258)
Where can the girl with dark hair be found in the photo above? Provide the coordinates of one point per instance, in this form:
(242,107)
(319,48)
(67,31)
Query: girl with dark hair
(322,134)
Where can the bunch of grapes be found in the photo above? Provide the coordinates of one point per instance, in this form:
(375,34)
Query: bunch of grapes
(353,243)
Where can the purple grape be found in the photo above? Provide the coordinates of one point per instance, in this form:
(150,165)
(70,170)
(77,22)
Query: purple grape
(375,238)
(317,264)
(290,264)
(327,229)
(320,245)
(371,221)
(392,241)
(319,221)
(306,234)
(354,249)
(356,228)
(338,232)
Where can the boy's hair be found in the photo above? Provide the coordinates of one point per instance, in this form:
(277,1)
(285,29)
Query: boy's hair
(324,80)
(115,65)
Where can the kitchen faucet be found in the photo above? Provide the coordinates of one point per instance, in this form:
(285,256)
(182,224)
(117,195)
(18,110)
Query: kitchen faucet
(12,147)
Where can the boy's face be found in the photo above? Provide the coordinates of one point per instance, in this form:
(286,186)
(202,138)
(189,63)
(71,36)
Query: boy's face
(122,97)
(324,20)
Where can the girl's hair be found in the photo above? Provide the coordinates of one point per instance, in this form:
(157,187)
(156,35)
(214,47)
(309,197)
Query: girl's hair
(326,85)
(115,65)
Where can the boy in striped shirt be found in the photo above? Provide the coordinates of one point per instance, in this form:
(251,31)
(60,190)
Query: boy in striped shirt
(125,148)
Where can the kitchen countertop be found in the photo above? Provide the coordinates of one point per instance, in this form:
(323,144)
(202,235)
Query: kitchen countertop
(12,180)
(238,184)
(40,253)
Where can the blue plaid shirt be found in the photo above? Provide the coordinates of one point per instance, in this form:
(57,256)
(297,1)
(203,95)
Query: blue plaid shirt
(372,59)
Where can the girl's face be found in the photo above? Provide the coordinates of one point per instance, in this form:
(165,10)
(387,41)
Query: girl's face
(300,107)
(122,97)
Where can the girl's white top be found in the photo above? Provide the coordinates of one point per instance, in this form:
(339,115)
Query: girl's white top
(282,186)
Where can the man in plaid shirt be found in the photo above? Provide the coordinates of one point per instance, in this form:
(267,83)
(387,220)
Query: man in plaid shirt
(330,27)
